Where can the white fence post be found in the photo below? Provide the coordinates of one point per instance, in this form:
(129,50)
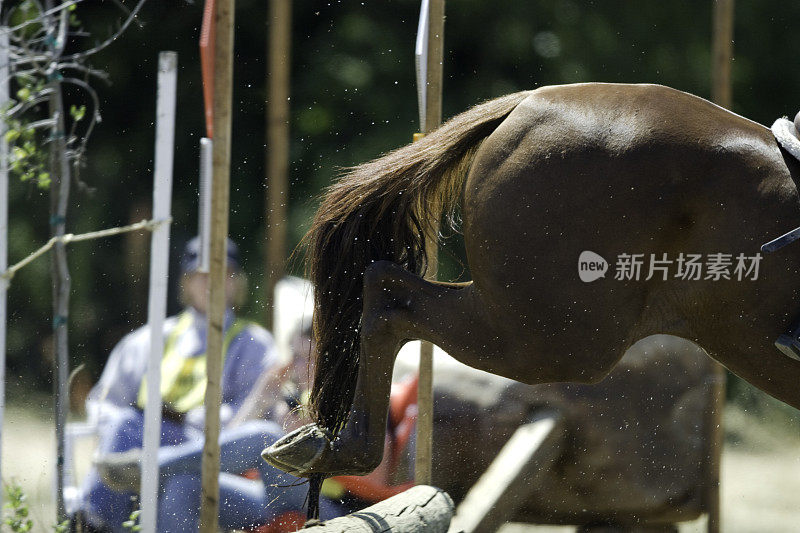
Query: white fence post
(159,263)
(4,81)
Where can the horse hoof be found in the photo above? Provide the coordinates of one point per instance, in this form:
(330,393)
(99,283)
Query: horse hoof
(298,452)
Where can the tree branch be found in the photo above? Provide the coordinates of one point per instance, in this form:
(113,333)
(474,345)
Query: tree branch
(114,37)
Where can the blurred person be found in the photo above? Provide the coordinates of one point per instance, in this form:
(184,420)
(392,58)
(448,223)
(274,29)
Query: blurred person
(116,402)
(274,500)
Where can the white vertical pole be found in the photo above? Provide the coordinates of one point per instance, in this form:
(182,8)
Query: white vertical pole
(4,70)
(421,61)
(204,205)
(159,262)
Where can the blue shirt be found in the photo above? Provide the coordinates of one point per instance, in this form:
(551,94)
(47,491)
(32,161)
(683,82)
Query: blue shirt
(250,353)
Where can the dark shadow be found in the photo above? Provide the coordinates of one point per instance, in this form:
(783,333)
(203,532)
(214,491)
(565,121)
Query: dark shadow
(375,521)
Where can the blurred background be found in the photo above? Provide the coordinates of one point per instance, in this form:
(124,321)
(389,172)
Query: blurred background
(353,96)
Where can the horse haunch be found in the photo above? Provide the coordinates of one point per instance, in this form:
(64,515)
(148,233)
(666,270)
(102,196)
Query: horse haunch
(544,176)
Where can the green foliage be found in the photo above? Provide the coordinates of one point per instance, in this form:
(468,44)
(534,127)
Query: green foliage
(28,157)
(30,127)
(73,18)
(77,112)
(132,524)
(15,511)
(26,15)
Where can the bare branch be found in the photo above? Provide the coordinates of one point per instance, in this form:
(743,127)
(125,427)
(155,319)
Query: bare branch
(61,39)
(101,74)
(114,37)
(44,123)
(22,59)
(95,117)
(18,73)
(127,11)
(44,13)
(22,107)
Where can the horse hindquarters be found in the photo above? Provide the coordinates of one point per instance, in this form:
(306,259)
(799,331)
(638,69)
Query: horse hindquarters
(633,170)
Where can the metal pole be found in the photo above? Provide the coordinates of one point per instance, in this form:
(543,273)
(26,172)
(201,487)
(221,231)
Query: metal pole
(223,89)
(722,55)
(4,71)
(277,148)
(159,278)
(204,201)
(433,118)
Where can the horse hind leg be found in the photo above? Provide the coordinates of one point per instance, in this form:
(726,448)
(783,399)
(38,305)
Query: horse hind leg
(398,306)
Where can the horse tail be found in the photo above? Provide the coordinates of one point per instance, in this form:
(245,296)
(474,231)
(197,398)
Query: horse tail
(381,210)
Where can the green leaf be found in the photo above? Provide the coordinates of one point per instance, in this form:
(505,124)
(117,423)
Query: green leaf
(18,153)
(44,180)
(77,112)
(12,135)
(24,94)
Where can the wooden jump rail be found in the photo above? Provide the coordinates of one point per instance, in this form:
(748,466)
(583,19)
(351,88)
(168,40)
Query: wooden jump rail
(417,510)
(510,479)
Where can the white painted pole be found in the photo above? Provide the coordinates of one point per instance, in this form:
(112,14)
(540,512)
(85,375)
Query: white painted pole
(421,61)
(204,204)
(3,231)
(159,274)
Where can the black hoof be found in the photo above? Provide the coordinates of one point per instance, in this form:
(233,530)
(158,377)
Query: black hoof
(300,452)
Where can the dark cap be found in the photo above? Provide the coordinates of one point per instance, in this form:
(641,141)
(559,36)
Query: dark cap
(190,260)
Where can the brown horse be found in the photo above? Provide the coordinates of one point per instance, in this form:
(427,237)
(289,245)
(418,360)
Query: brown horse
(542,176)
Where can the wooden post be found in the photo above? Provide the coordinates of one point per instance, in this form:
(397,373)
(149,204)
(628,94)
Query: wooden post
(433,118)
(722,55)
(223,89)
(277,148)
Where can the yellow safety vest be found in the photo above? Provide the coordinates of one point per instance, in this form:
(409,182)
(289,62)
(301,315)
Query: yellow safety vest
(183,379)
